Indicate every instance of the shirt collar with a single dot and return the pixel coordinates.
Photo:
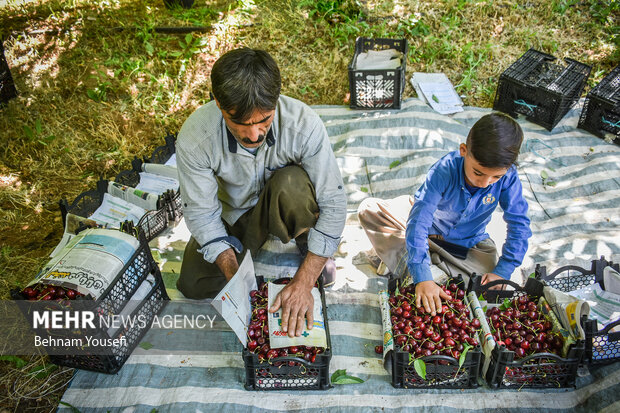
(232, 142)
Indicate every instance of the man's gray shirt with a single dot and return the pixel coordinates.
(221, 181)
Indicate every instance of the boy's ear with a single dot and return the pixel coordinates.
(463, 150)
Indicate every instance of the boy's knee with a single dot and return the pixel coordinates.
(367, 207)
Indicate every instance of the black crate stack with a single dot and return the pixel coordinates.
(601, 112)
(540, 90)
(7, 86)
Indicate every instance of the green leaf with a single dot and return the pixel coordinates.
(176, 54)
(464, 354)
(341, 377)
(338, 373)
(532, 275)
(435, 98)
(551, 183)
(72, 407)
(146, 345)
(37, 126)
(364, 189)
(43, 371)
(394, 164)
(506, 304)
(481, 297)
(346, 379)
(149, 48)
(93, 95)
(544, 174)
(19, 362)
(28, 132)
(420, 367)
(188, 38)
(484, 309)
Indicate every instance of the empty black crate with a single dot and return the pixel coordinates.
(85, 204)
(377, 89)
(160, 155)
(290, 373)
(7, 87)
(602, 346)
(539, 370)
(112, 301)
(442, 372)
(540, 90)
(601, 111)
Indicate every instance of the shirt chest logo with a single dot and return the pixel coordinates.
(488, 200)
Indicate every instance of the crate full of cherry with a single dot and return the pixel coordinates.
(75, 302)
(529, 345)
(274, 361)
(431, 351)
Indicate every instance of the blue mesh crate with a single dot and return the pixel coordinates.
(601, 111)
(539, 89)
(601, 346)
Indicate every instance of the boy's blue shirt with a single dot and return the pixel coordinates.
(444, 206)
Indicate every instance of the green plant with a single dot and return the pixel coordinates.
(36, 134)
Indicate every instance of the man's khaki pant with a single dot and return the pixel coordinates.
(286, 208)
(385, 223)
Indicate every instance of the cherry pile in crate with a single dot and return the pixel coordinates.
(258, 333)
(448, 333)
(520, 327)
(44, 292)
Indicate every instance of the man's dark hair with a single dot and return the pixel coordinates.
(494, 140)
(245, 80)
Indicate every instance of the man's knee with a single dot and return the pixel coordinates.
(292, 180)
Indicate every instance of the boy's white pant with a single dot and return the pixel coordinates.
(385, 223)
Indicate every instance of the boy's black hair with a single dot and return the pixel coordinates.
(494, 140)
(244, 80)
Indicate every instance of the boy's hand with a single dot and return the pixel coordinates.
(489, 277)
(429, 294)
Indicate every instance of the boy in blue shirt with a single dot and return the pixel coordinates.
(450, 211)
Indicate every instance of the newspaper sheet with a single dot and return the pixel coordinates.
(604, 306)
(315, 337)
(163, 170)
(233, 302)
(90, 262)
(141, 198)
(113, 211)
(156, 184)
(73, 223)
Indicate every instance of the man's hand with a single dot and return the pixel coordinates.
(429, 294)
(227, 263)
(489, 277)
(296, 299)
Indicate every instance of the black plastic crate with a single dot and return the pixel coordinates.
(540, 90)
(601, 346)
(85, 204)
(377, 89)
(601, 111)
(442, 372)
(172, 199)
(112, 301)
(161, 154)
(111, 363)
(540, 370)
(290, 373)
(7, 86)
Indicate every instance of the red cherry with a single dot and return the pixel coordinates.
(379, 349)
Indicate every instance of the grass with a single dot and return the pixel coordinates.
(100, 82)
